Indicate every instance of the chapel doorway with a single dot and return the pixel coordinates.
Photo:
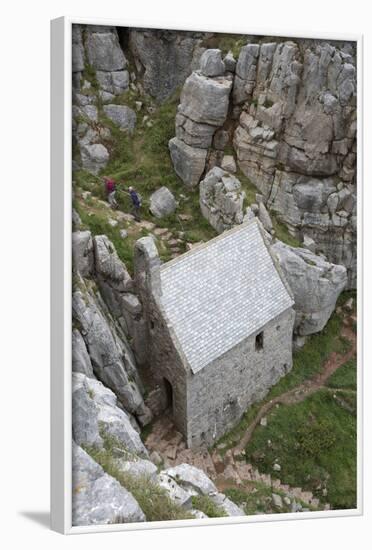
(168, 394)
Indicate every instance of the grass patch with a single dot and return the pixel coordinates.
(255, 500)
(248, 187)
(142, 160)
(206, 505)
(307, 362)
(282, 233)
(315, 443)
(226, 42)
(345, 377)
(152, 499)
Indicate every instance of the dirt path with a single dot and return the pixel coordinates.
(299, 393)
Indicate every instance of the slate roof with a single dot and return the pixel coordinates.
(220, 293)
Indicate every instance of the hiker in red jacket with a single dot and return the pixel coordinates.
(110, 187)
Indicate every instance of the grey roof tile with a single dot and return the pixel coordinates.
(217, 295)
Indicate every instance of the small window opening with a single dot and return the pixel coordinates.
(152, 325)
(259, 341)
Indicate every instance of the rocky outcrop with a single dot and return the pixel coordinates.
(315, 283)
(98, 498)
(164, 58)
(82, 252)
(80, 357)
(295, 138)
(96, 414)
(162, 202)
(122, 116)
(106, 57)
(202, 111)
(94, 157)
(221, 199)
(110, 354)
(116, 287)
(186, 480)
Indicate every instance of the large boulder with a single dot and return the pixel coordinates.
(205, 100)
(95, 412)
(94, 157)
(176, 493)
(104, 52)
(98, 498)
(192, 479)
(137, 467)
(112, 83)
(211, 63)
(108, 265)
(122, 116)
(162, 202)
(221, 199)
(82, 252)
(188, 162)
(315, 283)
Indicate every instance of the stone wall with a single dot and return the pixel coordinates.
(209, 403)
(219, 394)
(164, 355)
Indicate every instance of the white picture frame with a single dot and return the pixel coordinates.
(61, 281)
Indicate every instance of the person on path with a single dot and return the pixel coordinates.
(110, 187)
(136, 204)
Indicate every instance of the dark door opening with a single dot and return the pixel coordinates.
(259, 341)
(168, 394)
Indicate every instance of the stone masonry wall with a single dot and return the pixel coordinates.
(164, 358)
(219, 394)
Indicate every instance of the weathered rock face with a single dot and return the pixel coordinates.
(94, 157)
(188, 162)
(116, 287)
(98, 498)
(164, 58)
(105, 55)
(191, 478)
(82, 252)
(202, 111)
(296, 138)
(185, 481)
(109, 351)
(211, 63)
(221, 199)
(80, 358)
(122, 116)
(315, 283)
(162, 203)
(95, 412)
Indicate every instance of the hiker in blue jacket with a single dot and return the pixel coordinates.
(136, 204)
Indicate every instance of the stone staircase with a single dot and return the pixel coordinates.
(231, 468)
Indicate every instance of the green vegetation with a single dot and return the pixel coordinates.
(256, 498)
(143, 161)
(152, 499)
(206, 505)
(282, 233)
(345, 377)
(226, 42)
(315, 443)
(96, 222)
(248, 187)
